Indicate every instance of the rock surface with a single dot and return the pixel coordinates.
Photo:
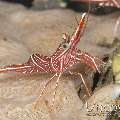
(100, 105)
(45, 4)
(17, 95)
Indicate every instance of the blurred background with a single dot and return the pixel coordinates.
(98, 6)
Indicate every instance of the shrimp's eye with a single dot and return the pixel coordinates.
(65, 45)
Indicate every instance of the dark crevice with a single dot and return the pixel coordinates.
(95, 8)
(27, 3)
(95, 80)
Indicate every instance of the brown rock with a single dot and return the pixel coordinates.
(17, 95)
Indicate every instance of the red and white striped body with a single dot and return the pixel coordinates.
(63, 58)
(112, 3)
(66, 56)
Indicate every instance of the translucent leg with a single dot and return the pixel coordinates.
(56, 86)
(84, 82)
(38, 99)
